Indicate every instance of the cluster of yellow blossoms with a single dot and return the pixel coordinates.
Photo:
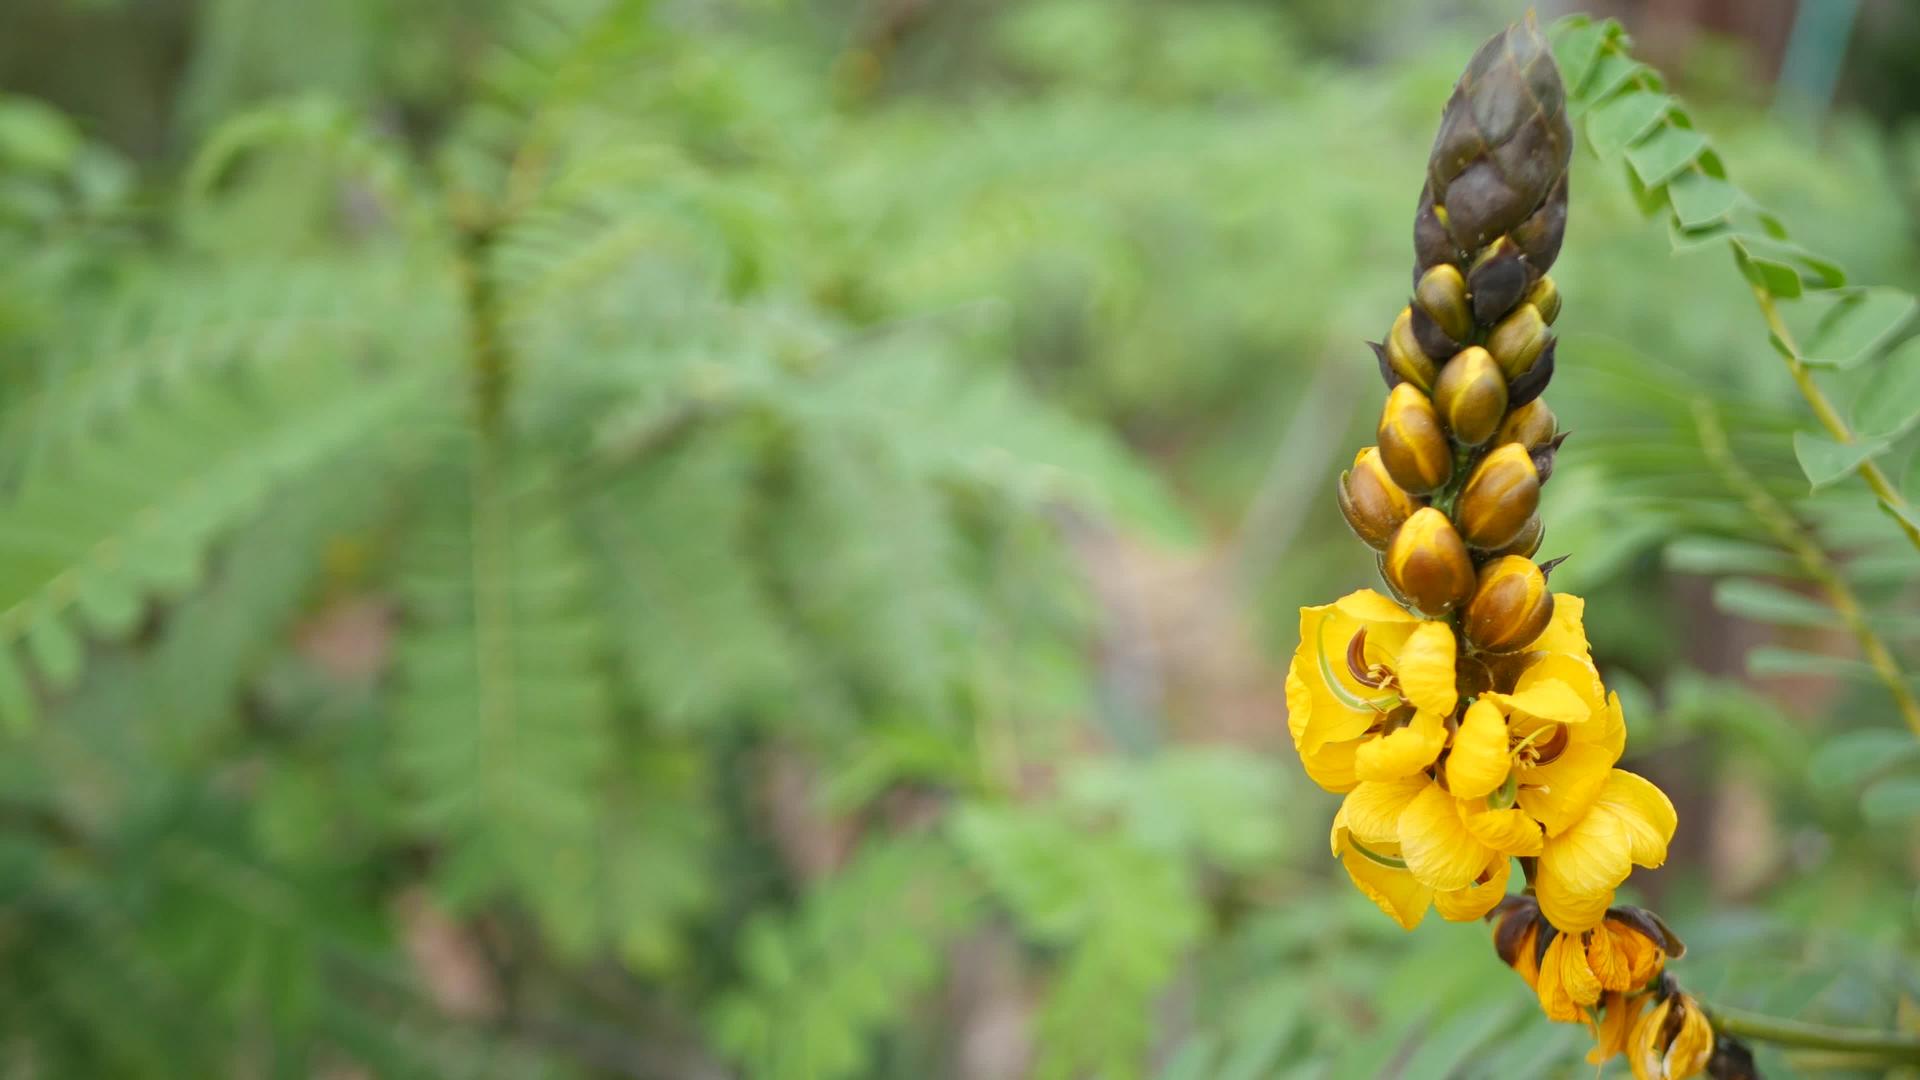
(1463, 717)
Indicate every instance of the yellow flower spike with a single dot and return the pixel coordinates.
(1426, 668)
(1403, 752)
(1611, 1035)
(1510, 831)
(1567, 987)
(1479, 762)
(1671, 1042)
(1435, 843)
(1474, 901)
(1630, 823)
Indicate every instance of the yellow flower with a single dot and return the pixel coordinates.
(1629, 824)
(1369, 691)
(1516, 937)
(1362, 840)
(1567, 986)
(1379, 835)
(1612, 1034)
(1671, 1042)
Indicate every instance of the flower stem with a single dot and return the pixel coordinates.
(1885, 1045)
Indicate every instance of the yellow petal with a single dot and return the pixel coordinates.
(1474, 901)
(1510, 831)
(1436, 844)
(1611, 965)
(1369, 606)
(1566, 985)
(1372, 809)
(1565, 632)
(1404, 752)
(1580, 868)
(1548, 699)
(1644, 811)
(1425, 667)
(1573, 672)
(1615, 1026)
(1325, 703)
(1338, 835)
(1644, 1049)
(1479, 762)
(1691, 1047)
(1392, 889)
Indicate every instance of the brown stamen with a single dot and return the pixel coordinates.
(1357, 661)
(1555, 745)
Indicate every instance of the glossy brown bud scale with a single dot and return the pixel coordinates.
(1471, 396)
(1511, 606)
(1413, 446)
(1498, 279)
(1372, 503)
(1427, 564)
(1499, 496)
(1531, 425)
(1527, 543)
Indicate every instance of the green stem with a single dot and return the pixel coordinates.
(1829, 418)
(1885, 1045)
(1790, 535)
(490, 369)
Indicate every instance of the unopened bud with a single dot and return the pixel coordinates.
(1531, 425)
(1412, 445)
(1442, 294)
(1545, 296)
(1517, 341)
(1404, 354)
(1527, 543)
(1428, 565)
(1432, 340)
(1471, 396)
(1373, 504)
(1500, 495)
(1511, 605)
(1431, 244)
(1498, 279)
(1533, 382)
(1540, 234)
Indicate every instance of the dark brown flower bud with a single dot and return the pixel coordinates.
(1412, 445)
(1517, 341)
(1545, 296)
(1527, 543)
(1531, 425)
(1442, 294)
(1539, 236)
(1498, 279)
(1432, 340)
(1431, 244)
(1428, 565)
(1500, 495)
(1528, 386)
(1471, 396)
(1543, 457)
(1504, 142)
(1404, 354)
(1511, 605)
(1373, 504)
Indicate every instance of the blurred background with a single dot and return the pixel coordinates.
(704, 539)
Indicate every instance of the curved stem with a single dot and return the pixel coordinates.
(1789, 533)
(1829, 418)
(1886, 1045)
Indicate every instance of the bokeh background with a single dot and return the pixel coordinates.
(704, 539)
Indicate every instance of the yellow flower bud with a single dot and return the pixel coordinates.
(1531, 425)
(1545, 296)
(1373, 504)
(1428, 565)
(1517, 341)
(1511, 605)
(1404, 354)
(1442, 294)
(1527, 543)
(1471, 395)
(1412, 445)
(1500, 495)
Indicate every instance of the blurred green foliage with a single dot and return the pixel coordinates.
(551, 539)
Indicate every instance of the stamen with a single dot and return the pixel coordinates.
(1357, 661)
(1555, 745)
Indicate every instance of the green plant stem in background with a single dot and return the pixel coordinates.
(1789, 533)
(1829, 418)
(487, 352)
(1884, 1046)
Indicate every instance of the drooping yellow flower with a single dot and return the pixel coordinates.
(1371, 835)
(1369, 691)
(1670, 1042)
(1567, 985)
(1612, 1034)
(1630, 823)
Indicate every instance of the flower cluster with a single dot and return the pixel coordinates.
(1462, 716)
